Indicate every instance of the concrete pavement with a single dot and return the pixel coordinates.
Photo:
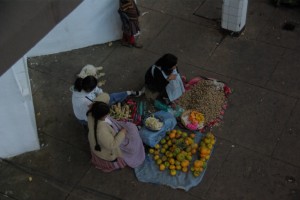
(257, 151)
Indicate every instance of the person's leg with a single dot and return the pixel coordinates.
(132, 39)
(117, 97)
(126, 40)
(121, 96)
(134, 43)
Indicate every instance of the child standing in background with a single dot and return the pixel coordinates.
(129, 14)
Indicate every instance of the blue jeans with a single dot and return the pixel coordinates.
(117, 97)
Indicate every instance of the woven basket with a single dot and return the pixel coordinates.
(184, 119)
(183, 115)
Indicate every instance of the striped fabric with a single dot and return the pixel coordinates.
(107, 166)
(130, 8)
(129, 14)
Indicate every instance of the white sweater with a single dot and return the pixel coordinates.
(82, 100)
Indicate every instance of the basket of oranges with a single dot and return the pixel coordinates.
(192, 120)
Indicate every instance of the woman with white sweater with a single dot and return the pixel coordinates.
(84, 92)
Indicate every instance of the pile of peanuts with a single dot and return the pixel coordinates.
(204, 97)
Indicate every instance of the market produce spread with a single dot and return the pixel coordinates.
(177, 157)
(126, 111)
(193, 120)
(178, 151)
(206, 97)
(120, 112)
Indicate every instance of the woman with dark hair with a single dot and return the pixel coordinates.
(86, 90)
(113, 144)
(164, 79)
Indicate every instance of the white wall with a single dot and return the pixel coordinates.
(18, 129)
(92, 22)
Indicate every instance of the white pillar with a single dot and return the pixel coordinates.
(18, 131)
(234, 14)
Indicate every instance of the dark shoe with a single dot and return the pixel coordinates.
(126, 44)
(137, 93)
(137, 45)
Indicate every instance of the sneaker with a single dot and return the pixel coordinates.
(137, 93)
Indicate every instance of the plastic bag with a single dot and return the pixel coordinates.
(151, 138)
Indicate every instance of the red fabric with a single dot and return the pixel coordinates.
(188, 85)
(135, 117)
(128, 38)
(107, 166)
(131, 40)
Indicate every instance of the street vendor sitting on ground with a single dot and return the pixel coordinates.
(114, 144)
(164, 79)
(84, 92)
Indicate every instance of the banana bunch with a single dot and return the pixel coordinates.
(119, 112)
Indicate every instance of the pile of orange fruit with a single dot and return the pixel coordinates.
(178, 151)
(196, 117)
(206, 145)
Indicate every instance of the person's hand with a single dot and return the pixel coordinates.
(172, 77)
(173, 105)
(123, 130)
(90, 105)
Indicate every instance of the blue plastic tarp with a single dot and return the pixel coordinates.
(149, 172)
(151, 138)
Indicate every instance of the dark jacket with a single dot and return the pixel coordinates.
(156, 83)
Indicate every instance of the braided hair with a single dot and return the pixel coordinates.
(98, 111)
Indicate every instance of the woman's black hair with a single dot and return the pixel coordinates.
(166, 62)
(87, 84)
(78, 84)
(98, 111)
